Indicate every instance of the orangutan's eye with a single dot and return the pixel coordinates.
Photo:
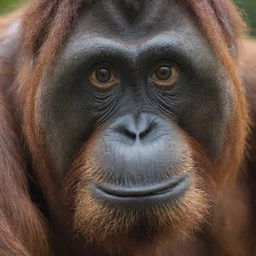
(165, 74)
(103, 77)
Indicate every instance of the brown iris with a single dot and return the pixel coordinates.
(103, 77)
(165, 74)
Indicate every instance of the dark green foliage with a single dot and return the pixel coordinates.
(249, 10)
(9, 5)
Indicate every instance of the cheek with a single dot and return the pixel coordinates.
(207, 114)
(65, 117)
(66, 113)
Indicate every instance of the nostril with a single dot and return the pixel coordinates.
(124, 130)
(136, 129)
(130, 134)
(140, 133)
(145, 132)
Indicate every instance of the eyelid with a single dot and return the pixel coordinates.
(105, 85)
(165, 84)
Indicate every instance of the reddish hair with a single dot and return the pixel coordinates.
(46, 26)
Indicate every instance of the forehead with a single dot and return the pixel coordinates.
(136, 28)
(134, 20)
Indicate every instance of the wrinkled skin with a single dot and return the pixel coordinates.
(139, 183)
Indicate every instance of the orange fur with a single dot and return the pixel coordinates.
(23, 230)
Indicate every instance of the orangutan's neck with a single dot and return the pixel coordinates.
(234, 218)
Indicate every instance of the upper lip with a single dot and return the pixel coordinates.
(174, 185)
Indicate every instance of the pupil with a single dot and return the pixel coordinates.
(163, 73)
(103, 75)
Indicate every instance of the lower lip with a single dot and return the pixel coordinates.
(149, 196)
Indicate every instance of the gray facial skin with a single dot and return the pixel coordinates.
(68, 109)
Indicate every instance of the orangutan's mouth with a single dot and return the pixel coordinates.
(158, 193)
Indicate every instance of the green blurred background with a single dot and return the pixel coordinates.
(248, 7)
